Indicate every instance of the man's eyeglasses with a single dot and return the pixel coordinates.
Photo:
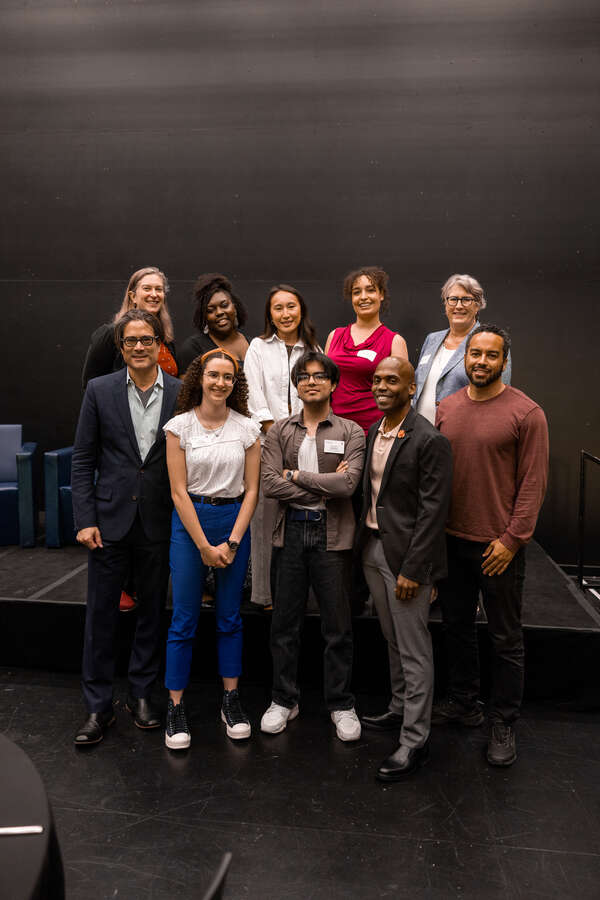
(145, 340)
(318, 377)
(466, 301)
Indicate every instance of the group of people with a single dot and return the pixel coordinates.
(307, 460)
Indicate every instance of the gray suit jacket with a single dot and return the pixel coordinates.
(453, 376)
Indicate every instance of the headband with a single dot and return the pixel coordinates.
(225, 353)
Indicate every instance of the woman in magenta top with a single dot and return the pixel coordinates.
(358, 349)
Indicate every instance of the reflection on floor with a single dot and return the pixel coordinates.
(301, 811)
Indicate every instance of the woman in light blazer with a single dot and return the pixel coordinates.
(441, 367)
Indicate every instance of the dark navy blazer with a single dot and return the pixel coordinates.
(105, 441)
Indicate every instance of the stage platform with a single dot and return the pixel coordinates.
(42, 610)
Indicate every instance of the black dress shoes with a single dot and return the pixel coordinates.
(387, 721)
(92, 730)
(403, 762)
(144, 714)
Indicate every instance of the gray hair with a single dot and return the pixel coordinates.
(468, 283)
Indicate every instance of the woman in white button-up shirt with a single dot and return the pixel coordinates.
(272, 396)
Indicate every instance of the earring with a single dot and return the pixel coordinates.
(205, 329)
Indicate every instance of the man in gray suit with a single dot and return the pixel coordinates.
(123, 516)
(406, 492)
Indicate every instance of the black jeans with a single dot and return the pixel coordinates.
(107, 570)
(303, 562)
(502, 598)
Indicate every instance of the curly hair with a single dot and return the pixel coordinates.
(376, 275)
(191, 392)
(207, 285)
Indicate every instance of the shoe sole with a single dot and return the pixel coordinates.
(236, 735)
(401, 775)
(294, 712)
(172, 745)
(138, 725)
(347, 740)
(97, 741)
(503, 764)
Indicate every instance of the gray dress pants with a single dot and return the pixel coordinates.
(404, 626)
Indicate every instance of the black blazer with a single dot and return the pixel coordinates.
(412, 506)
(105, 441)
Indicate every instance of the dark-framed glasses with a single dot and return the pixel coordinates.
(318, 377)
(466, 301)
(145, 340)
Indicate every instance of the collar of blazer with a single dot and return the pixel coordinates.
(403, 436)
(171, 388)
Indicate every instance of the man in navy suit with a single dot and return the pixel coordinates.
(124, 516)
(401, 538)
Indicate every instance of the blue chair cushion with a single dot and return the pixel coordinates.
(11, 440)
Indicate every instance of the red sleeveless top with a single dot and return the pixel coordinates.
(352, 398)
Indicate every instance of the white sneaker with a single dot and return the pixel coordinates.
(276, 718)
(347, 726)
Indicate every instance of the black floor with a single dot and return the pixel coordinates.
(301, 812)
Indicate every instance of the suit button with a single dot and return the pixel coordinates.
(134, 497)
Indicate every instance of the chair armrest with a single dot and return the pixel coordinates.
(57, 474)
(27, 511)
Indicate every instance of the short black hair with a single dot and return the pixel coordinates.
(491, 329)
(329, 367)
(138, 315)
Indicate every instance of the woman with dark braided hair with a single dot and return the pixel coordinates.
(213, 457)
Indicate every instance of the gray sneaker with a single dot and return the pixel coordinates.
(502, 747)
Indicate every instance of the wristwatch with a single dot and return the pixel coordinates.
(289, 475)
(233, 545)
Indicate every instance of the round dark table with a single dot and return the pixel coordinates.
(30, 864)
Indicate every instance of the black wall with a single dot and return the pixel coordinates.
(293, 141)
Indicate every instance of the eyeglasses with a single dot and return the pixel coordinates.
(214, 376)
(466, 301)
(318, 377)
(145, 340)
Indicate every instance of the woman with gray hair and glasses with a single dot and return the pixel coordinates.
(441, 367)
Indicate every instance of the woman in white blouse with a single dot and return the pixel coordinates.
(213, 457)
(272, 396)
(441, 367)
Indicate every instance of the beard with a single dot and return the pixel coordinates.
(483, 379)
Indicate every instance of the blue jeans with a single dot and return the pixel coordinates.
(188, 574)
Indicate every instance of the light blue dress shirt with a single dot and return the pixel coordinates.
(145, 419)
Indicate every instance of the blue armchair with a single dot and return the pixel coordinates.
(60, 528)
(17, 496)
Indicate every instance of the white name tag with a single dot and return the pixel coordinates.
(334, 446)
(367, 354)
(424, 359)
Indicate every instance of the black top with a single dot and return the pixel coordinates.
(197, 344)
(104, 357)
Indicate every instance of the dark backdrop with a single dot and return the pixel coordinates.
(293, 141)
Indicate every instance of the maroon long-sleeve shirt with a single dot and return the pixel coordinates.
(500, 469)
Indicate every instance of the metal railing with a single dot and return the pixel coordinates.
(584, 457)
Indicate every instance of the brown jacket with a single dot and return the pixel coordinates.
(280, 452)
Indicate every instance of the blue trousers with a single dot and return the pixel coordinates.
(188, 574)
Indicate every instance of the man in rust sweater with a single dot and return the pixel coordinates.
(499, 440)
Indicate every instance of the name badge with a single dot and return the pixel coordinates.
(424, 359)
(367, 354)
(334, 446)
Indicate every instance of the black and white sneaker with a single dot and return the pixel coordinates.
(177, 733)
(236, 720)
